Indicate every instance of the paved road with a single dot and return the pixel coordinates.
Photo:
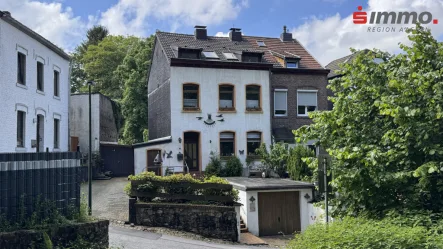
(133, 239)
(108, 198)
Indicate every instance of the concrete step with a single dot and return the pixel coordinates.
(244, 230)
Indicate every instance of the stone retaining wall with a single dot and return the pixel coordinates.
(211, 221)
(95, 233)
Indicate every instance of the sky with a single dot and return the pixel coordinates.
(324, 27)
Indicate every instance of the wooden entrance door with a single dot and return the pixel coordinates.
(278, 212)
(191, 150)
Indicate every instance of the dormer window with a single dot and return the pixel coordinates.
(261, 44)
(210, 55)
(251, 57)
(187, 53)
(291, 64)
(230, 56)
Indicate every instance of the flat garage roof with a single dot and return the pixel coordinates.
(249, 184)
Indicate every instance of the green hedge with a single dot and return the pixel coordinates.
(358, 233)
(151, 179)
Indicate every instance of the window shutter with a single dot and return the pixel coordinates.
(280, 100)
(307, 98)
(227, 135)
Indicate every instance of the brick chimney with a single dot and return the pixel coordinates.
(285, 36)
(200, 32)
(235, 34)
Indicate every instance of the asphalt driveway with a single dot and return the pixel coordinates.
(108, 199)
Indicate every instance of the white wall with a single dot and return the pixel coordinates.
(251, 219)
(140, 157)
(15, 97)
(240, 121)
(79, 119)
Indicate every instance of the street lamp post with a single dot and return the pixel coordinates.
(90, 83)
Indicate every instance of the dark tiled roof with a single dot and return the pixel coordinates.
(288, 49)
(5, 16)
(170, 42)
(335, 65)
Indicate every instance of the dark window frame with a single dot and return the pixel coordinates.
(56, 133)
(249, 93)
(185, 53)
(21, 68)
(21, 128)
(251, 143)
(252, 57)
(40, 76)
(226, 92)
(56, 83)
(227, 140)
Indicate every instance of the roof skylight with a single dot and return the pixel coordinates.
(261, 44)
(210, 54)
(230, 56)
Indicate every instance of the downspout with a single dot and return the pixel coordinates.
(69, 105)
(270, 111)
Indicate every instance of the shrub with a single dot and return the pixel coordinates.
(352, 233)
(168, 186)
(214, 167)
(233, 167)
(275, 159)
(298, 168)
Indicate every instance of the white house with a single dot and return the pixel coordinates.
(34, 90)
(206, 94)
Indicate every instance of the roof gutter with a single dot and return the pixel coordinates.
(179, 62)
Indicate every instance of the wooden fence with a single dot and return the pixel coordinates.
(191, 191)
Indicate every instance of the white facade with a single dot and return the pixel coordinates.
(17, 97)
(239, 121)
(250, 214)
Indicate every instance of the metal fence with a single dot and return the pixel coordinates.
(28, 177)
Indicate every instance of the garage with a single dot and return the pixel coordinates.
(274, 206)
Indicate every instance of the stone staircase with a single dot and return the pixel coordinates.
(243, 228)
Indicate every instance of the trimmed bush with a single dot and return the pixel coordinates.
(151, 187)
(359, 233)
(233, 167)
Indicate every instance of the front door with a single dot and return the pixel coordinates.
(191, 150)
(40, 133)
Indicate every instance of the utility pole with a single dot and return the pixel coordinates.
(90, 83)
(325, 176)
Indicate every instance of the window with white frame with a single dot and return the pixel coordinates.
(306, 102)
(280, 102)
(227, 144)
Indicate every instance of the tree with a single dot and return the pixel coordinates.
(78, 75)
(275, 160)
(101, 60)
(385, 131)
(297, 165)
(132, 73)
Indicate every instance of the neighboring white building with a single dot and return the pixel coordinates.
(103, 124)
(34, 90)
(201, 101)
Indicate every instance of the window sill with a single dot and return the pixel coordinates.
(225, 158)
(21, 85)
(260, 111)
(56, 97)
(303, 116)
(192, 110)
(280, 117)
(227, 110)
(20, 149)
(40, 92)
(254, 157)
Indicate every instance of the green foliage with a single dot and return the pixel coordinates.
(145, 135)
(214, 167)
(298, 166)
(152, 186)
(275, 160)
(44, 214)
(385, 130)
(47, 241)
(133, 73)
(233, 167)
(353, 233)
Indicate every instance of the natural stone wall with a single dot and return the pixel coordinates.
(210, 221)
(95, 233)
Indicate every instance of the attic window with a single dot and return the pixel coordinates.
(251, 57)
(210, 55)
(291, 64)
(261, 44)
(230, 56)
(186, 53)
